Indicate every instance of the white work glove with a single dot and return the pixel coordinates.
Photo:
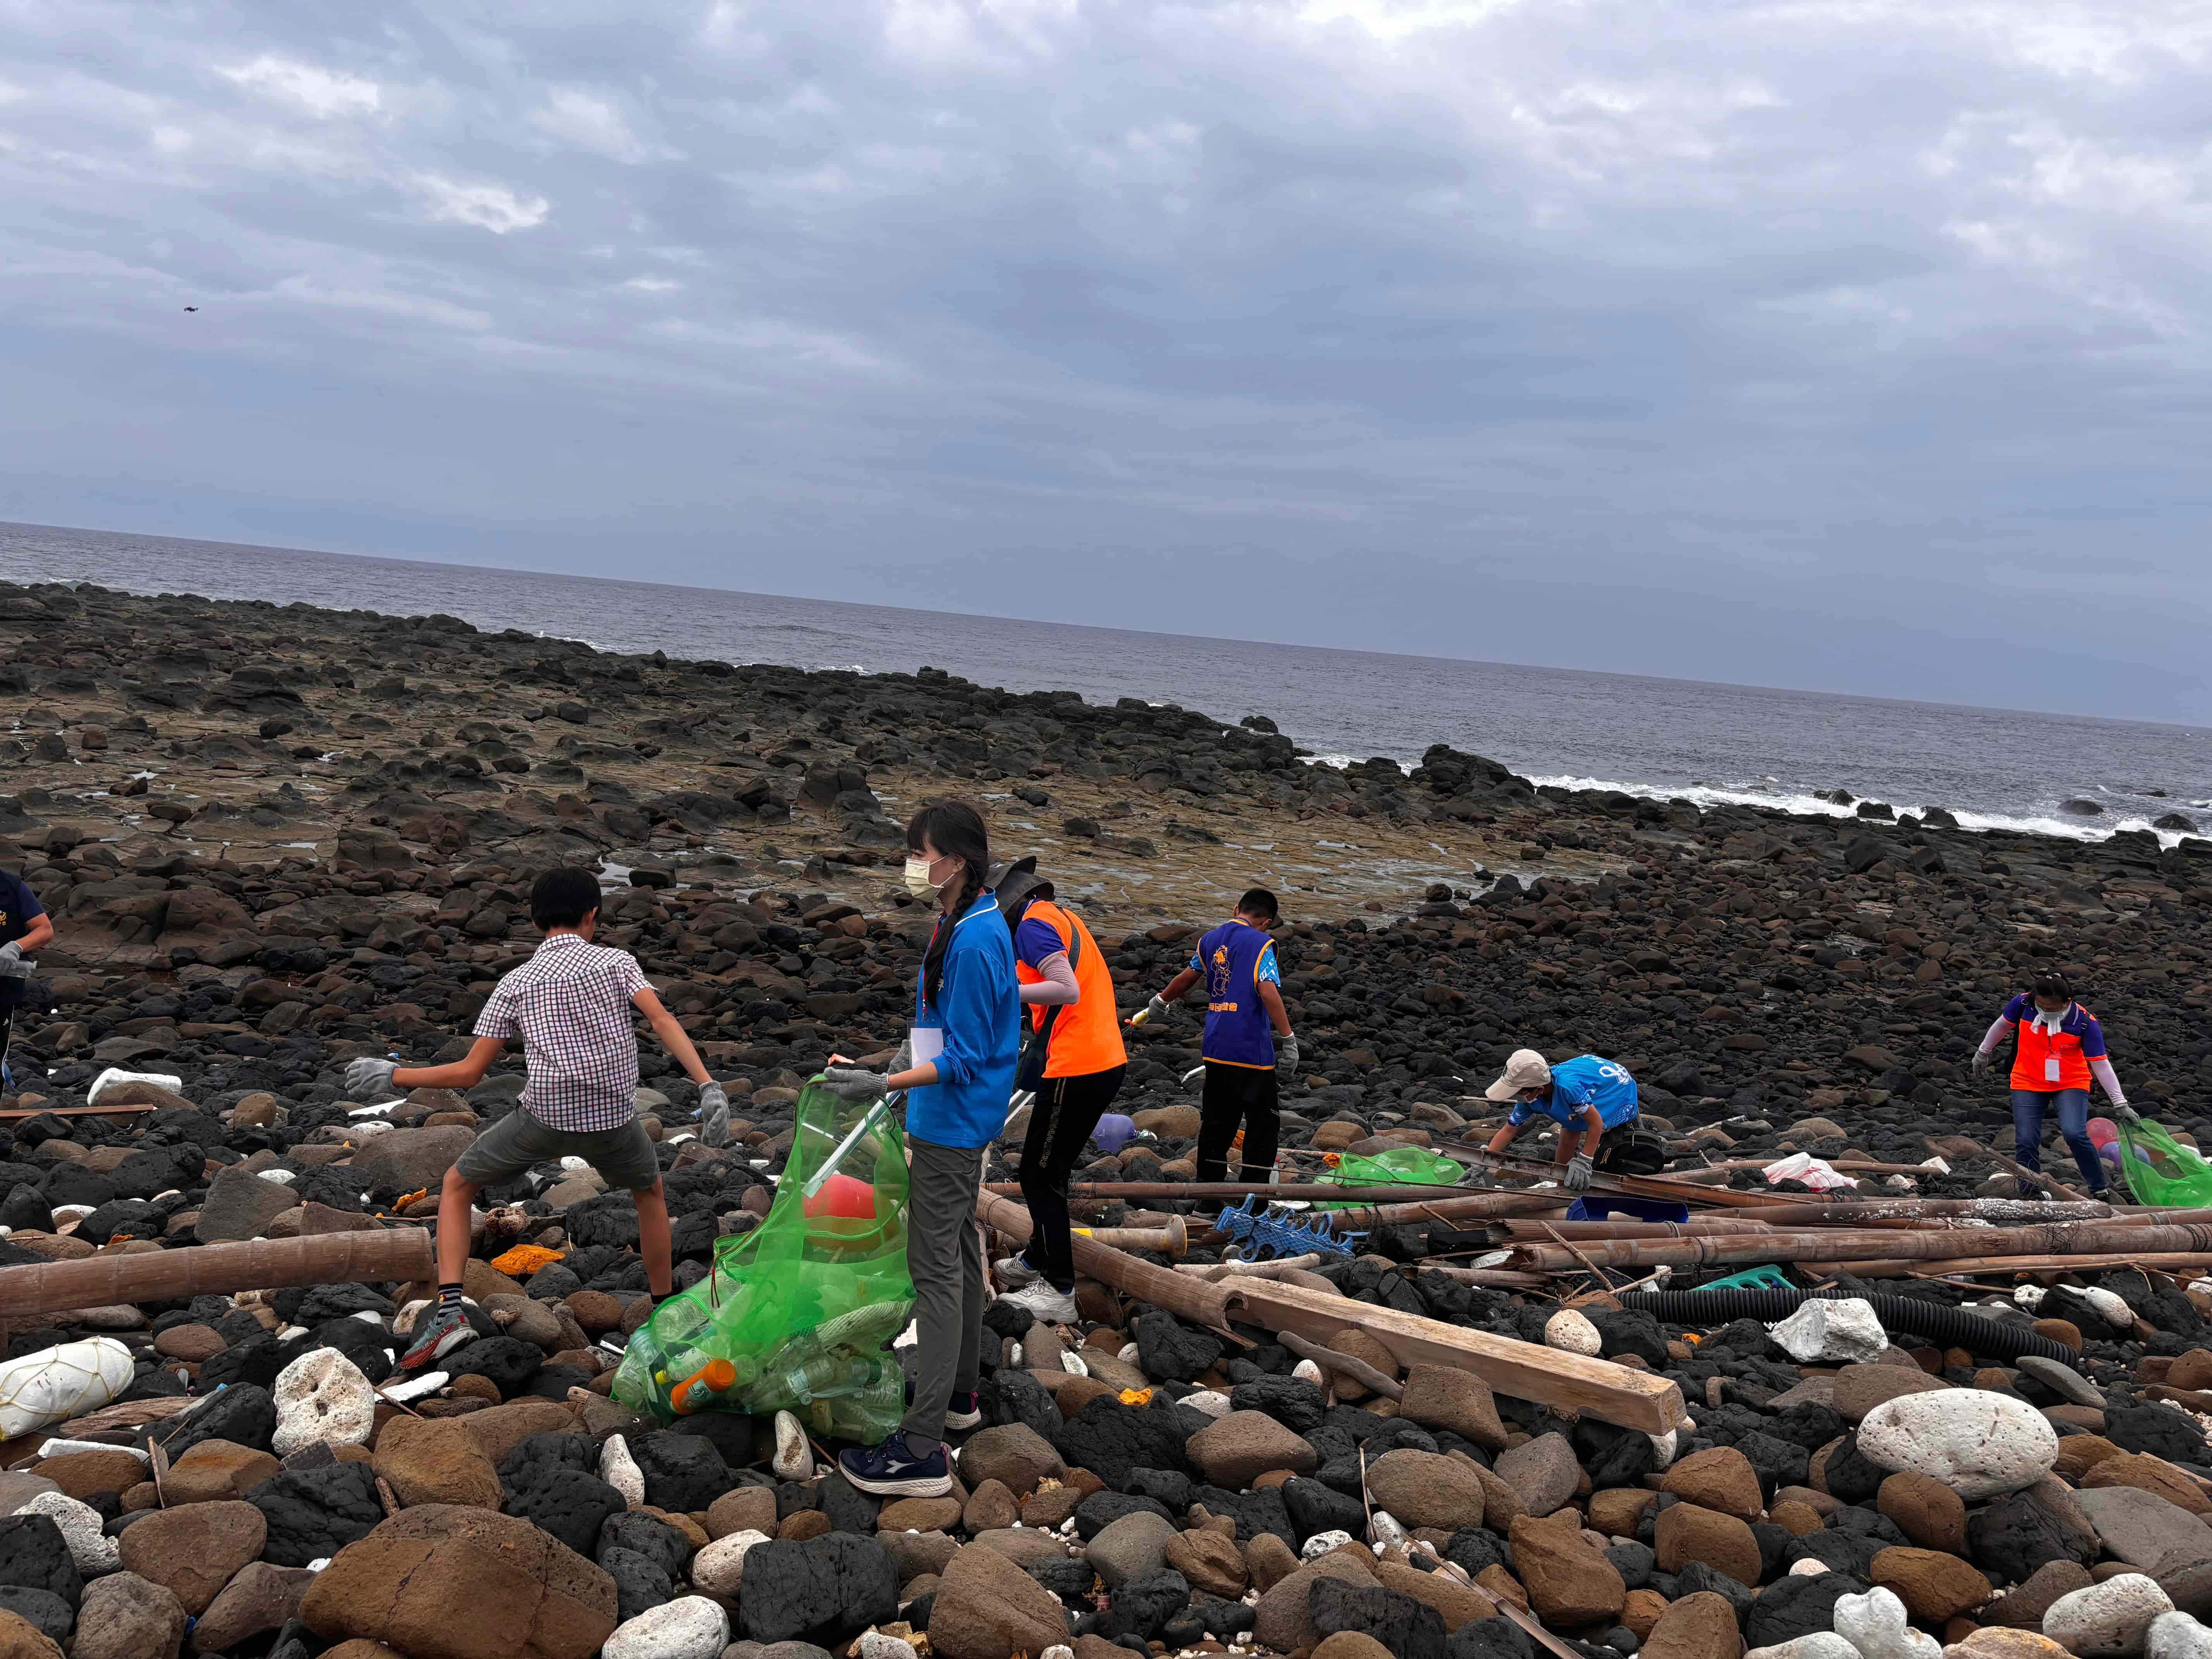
(366, 1078)
(1286, 1054)
(1981, 1062)
(1155, 1009)
(903, 1059)
(714, 1115)
(854, 1082)
(2125, 1113)
(1578, 1177)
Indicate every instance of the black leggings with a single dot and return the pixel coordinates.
(1234, 1095)
(1066, 1111)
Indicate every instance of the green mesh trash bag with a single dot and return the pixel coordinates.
(794, 1315)
(1399, 1166)
(2160, 1171)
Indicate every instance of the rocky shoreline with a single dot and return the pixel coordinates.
(275, 838)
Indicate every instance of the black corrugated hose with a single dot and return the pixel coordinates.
(1899, 1315)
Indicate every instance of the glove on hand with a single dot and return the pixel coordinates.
(1981, 1062)
(1578, 1178)
(11, 951)
(2125, 1113)
(1155, 1009)
(1286, 1054)
(714, 1115)
(903, 1059)
(366, 1078)
(854, 1082)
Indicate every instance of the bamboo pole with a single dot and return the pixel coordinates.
(1854, 1244)
(1516, 1227)
(393, 1255)
(2164, 1260)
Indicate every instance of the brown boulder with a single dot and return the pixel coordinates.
(1423, 1489)
(987, 1607)
(1932, 1585)
(498, 1430)
(1446, 1397)
(21, 1640)
(742, 1509)
(125, 1617)
(1860, 1388)
(214, 1470)
(1235, 1450)
(1700, 1626)
(2148, 1474)
(1720, 1479)
(1926, 1510)
(427, 1461)
(1348, 1644)
(258, 1598)
(81, 1475)
(1454, 1601)
(1014, 1455)
(1210, 1561)
(1685, 1533)
(1569, 1583)
(193, 1551)
(1281, 1619)
(458, 1582)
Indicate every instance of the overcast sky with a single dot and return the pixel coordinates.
(1854, 345)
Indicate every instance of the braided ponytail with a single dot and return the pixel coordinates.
(955, 830)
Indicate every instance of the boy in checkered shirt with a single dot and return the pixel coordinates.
(570, 1003)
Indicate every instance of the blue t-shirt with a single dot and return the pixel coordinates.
(978, 1016)
(1036, 940)
(1576, 1085)
(1268, 973)
(19, 908)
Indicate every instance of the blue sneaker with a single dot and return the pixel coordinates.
(891, 1471)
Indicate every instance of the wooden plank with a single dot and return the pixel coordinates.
(1597, 1388)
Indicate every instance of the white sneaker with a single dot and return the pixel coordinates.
(1014, 1273)
(1054, 1307)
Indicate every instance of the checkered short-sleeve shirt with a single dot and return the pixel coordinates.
(570, 1005)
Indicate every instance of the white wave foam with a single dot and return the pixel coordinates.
(1782, 801)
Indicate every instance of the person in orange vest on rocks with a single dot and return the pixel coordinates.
(2059, 1047)
(1249, 1039)
(1074, 1063)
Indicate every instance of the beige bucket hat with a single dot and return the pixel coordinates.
(1525, 1069)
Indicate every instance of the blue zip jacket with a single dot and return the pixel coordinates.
(979, 1012)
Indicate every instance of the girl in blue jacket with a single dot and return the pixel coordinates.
(958, 1076)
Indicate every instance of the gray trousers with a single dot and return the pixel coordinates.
(944, 1254)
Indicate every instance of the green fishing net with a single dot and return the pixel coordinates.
(794, 1315)
(2160, 1170)
(1399, 1166)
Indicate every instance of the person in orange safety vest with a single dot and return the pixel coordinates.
(2059, 1047)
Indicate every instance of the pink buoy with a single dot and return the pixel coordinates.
(2103, 1131)
(843, 1199)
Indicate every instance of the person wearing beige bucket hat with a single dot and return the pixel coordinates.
(1592, 1100)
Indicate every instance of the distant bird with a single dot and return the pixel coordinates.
(192, 308)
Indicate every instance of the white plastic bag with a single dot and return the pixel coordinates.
(1804, 1167)
(57, 1383)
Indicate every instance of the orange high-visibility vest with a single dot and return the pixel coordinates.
(1087, 1035)
(2031, 1067)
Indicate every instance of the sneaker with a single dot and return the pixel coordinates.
(1014, 1273)
(1054, 1307)
(438, 1332)
(891, 1471)
(961, 1410)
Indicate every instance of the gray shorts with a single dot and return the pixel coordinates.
(623, 1156)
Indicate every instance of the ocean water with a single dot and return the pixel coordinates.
(1709, 743)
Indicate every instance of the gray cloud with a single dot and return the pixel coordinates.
(1845, 343)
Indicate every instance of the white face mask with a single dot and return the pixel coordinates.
(917, 879)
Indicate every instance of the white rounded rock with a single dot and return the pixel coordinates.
(1322, 1543)
(620, 1470)
(1207, 1402)
(322, 1395)
(1808, 1568)
(690, 1627)
(1306, 1371)
(720, 1567)
(2108, 1620)
(1979, 1443)
(82, 1530)
(2117, 1313)
(1663, 1448)
(1820, 1644)
(1832, 1332)
(874, 1645)
(2177, 1635)
(1875, 1624)
(1569, 1332)
(794, 1458)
